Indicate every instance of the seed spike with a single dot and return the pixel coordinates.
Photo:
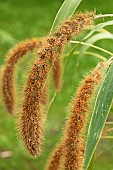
(8, 85)
(47, 55)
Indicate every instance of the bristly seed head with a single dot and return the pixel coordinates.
(72, 145)
(48, 55)
(74, 138)
(8, 86)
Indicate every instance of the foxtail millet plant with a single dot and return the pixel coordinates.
(75, 140)
(31, 123)
(70, 153)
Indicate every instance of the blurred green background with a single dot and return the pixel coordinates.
(33, 18)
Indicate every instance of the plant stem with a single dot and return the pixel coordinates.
(88, 53)
(109, 123)
(96, 47)
(107, 137)
(103, 16)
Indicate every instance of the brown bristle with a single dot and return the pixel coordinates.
(31, 129)
(67, 30)
(54, 162)
(31, 123)
(69, 154)
(57, 71)
(44, 95)
(8, 74)
(74, 141)
(47, 56)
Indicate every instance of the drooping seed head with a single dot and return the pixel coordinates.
(47, 56)
(8, 85)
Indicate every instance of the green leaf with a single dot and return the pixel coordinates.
(91, 163)
(65, 12)
(100, 112)
(95, 38)
(98, 27)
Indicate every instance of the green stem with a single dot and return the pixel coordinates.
(103, 16)
(96, 47)
(107, 137)
(88, 53)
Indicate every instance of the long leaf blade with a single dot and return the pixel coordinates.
(100, 112)
(95, 38)
(98, 27)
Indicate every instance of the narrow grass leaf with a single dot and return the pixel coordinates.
(98, 27)
(65, 12)
(99, 114)
(95, 38)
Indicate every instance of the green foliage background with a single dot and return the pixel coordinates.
(26, 19)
